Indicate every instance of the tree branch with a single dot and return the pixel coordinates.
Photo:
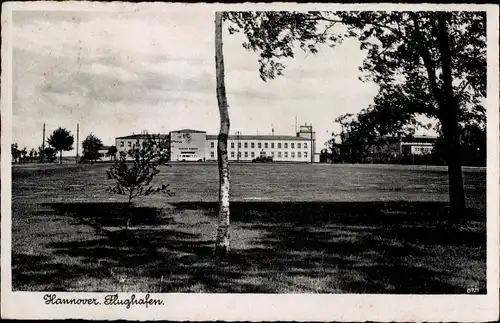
(426, 57)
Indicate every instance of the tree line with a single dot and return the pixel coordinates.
(60, 140)
(371, 136)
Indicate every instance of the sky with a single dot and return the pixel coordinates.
(118, 73)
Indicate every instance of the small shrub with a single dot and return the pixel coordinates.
(133, 175)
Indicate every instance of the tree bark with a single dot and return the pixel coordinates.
(60, 157)
(449, 121)
(222, 237)
(447, 111)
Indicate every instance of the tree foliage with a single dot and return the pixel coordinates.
(46, 155)
(134, 178)
(112, 151)
(91, 146)
(61, 139)
(15, 152)
(431, 63)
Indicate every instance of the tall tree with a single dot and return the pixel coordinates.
(222, 237)
(91, 146)
(432, 63)
(61, 139)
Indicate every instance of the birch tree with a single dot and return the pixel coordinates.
(222, 236)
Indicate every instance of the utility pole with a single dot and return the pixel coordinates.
(77, 139)
(238, 133)
(43, 138)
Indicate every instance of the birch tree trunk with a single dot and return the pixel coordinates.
(222, 238)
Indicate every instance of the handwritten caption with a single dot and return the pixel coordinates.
(108, 300)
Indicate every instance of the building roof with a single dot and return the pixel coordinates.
(143, 136)
(260, 137)
(188, 131)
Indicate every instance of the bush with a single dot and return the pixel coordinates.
(133, 178)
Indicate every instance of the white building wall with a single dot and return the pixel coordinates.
(124, 145)
(187, 146)
(250, 149)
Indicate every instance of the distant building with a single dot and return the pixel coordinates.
(103, 153)
(299, 148)
(418, 145)
(196, 145)
(188, 145)
(126, 143)
(385, 150)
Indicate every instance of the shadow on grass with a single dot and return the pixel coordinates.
(338, 247)
(101, 215)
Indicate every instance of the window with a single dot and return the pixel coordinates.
(246, 144)
(232, 154)
(272, 145)
(286, 154)
(279, 144)
(122, 144)
(130, 144)
(212, 154)
(279, 154)
(252, 145)
(253, 154)
(299, 154)
(265, 145)
(259, 145)
(272, 153)
(232, 145)
(212, 145)
(246, 154)
(298, 145)
(305, 154)
(239, 145)
(285, 145)
(292, 154)
(239, 153)
(305, 145)
(292, 145)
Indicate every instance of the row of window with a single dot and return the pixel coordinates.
(279, 154)
(426, 149)
(266, 145)
(122, 144)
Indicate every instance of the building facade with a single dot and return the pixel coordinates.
(188, 145)
(299, 148)
(126, 143)
(195, 145)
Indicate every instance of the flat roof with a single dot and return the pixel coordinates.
(188, 131)
(143, 136)
(259, 137)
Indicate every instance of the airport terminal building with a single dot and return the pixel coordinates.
(196, 145)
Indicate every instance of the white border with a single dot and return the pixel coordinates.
(257, 307)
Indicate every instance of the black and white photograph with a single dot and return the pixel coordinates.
(177, 161)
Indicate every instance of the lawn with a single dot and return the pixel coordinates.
(296, 228)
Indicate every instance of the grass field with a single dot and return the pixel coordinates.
(295, 228)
